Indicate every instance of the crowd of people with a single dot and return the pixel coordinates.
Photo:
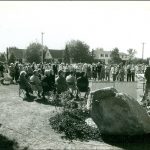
(59, 76)
(96, 71)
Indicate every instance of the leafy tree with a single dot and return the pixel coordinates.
(79, 51)
(12, 48)
(131, 54)
(2, 58)
(34, 53)
(115, 58)
(12, 58)
(66, 55)
(140, 61)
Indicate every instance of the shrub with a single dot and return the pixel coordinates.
(7, 144)
(72, 123)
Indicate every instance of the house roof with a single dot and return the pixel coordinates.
(17, 52)
(56, 53)
(122, 53)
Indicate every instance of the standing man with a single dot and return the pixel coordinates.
(12, 72)
(2, 70)
(55, 69)
(129, 72)
(107, 71)
(114, 72)
(133, 73)
(147, 86)
(99, 67)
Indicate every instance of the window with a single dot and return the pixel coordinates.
(102, 55)
(122, 56)
(106, 55)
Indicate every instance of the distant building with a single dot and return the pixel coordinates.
(50, 56)
(54, 55)
(104, 56)
(18, 53)
(3, 57)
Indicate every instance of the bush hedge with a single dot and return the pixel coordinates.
(7, 144)
(72, 123)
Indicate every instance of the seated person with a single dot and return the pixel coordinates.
(83, 84)
(48, 82)
(71, 81)
(6, 80)
(36, 82)
(61, 84)
(24, 83)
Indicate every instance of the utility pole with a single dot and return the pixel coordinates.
(143, 50)
(42, 33)
(7, 54)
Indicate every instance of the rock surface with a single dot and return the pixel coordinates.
(117, 113)
(90, 122)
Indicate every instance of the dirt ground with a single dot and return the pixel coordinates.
(28, 124)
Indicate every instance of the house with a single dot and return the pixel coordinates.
(54, 55)
(123, 56)
(18, 53)
(50, 55)
(3, 57)
(104, 56)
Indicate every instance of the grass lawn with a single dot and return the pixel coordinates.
(28, 122)
(125, 87)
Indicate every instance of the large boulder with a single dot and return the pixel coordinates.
(117, 113)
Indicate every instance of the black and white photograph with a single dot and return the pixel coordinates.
(74, 75)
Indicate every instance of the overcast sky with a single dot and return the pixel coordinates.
(105, 24)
